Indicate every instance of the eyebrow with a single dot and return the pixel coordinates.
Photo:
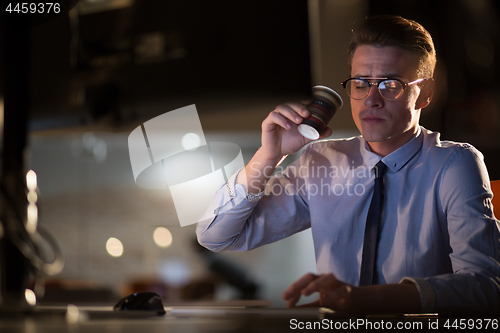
(381, 76)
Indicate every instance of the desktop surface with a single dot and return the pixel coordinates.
(200, 317)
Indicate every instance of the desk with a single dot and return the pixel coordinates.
(180, 319)
(192, 319)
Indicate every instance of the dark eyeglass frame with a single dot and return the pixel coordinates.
(377, 84)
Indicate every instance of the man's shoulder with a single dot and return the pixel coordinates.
(435, 146)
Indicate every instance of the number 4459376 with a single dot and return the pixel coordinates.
(477, 324)
(33, 7)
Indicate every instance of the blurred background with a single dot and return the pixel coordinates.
(84, 79)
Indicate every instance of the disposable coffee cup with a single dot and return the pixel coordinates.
(325, 104)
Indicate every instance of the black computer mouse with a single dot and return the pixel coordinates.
(141, 301)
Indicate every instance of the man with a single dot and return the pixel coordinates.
(437, 242)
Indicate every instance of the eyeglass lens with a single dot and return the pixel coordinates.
(359, 89)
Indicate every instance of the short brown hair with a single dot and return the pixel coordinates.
(389, 30)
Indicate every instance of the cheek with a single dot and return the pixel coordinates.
(356, 108)
(355, 115)
(404, 115)
(412, 99)
(408, 112)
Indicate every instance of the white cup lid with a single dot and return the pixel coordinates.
(308, 132)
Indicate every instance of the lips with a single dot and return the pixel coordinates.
(372, 119)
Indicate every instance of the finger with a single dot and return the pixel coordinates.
(297, 287)
(275, 118)
(324, 283)
(301, 109)
(294, 292)
(290, 303)
(291, 111)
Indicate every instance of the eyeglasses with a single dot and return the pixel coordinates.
(390, 89)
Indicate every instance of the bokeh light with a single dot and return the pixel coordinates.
(30, 297)
(162, 237)
(114, 247)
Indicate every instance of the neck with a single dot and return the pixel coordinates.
(386, 147)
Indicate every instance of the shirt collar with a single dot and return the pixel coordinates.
(398, 158)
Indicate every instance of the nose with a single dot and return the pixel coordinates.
(374, 99)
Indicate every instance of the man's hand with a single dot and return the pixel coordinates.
(333, 293)
(342, 297)
(280, 135)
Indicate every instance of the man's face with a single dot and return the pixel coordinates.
(386, 125)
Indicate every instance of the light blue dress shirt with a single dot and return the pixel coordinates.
(437, 229)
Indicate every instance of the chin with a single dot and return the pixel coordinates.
(374, 137)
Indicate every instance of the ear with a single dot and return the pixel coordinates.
(425, 96)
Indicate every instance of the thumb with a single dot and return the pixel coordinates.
(326, 133)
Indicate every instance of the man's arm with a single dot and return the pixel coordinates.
(342, 297)
(280, 137)
(228, 222)
(474, 237)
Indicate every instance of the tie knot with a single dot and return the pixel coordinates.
(380, 169)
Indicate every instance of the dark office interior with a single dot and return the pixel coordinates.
(74, 84)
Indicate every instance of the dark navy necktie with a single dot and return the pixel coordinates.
(372, 228)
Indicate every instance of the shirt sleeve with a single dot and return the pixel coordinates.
(240, 221)
(465, 198)
(425, 292)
